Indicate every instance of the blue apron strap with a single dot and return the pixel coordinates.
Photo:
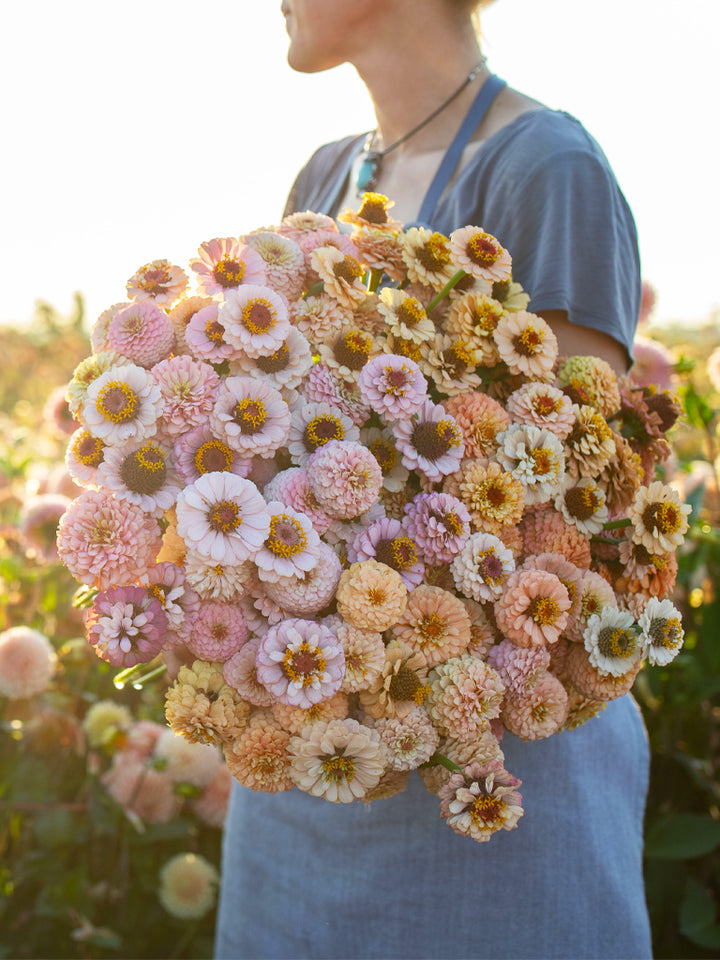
(492, 86)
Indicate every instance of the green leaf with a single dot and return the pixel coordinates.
(698, 412)
(681, 837)
(697, 916)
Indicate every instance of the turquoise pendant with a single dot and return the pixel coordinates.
(367, 171)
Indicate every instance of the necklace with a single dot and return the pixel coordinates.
(370, 161)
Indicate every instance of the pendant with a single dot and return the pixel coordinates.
(368, 171)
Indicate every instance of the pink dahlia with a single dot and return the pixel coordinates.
(106, 542)
(289, 548)
(217, 631)
(250, 416)
(430, 442)
(386, 541)
(159, 281)
(222, 265)
(188, 388)
(439, 524)
(393, 386)
(142, 332)
(255, 319)
(27, 662)
(123, 404)
(199, 451)
(222, 518)
(345, 478)
(533, 608)
(126, 625)
(300, 662)
(481, 800)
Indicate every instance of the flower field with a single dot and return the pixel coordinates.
(110, 826)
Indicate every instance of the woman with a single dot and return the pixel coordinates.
(304, 878)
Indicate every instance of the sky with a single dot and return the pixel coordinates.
(138, 130)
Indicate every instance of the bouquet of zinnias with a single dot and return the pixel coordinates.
(352, 492)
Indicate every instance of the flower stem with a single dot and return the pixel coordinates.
(439, 760)
(617, 524)
(445, 290)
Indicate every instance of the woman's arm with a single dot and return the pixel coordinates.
(574, 339)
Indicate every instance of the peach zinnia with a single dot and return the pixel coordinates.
(480, 254)
(533, 608)
(526, 344)
(435, 622)
(371, 596)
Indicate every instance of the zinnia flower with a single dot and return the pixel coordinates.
(659, 519)
(386, 541)
(200, 451)
(407, 741)
(428, 257)
(147, 793)
(435, 622)
(590, 381)
(255, 320)
(187, 762)
(493, 497)
(222, 265)
(288, 550)
(345, 478)
(339, 760)
(159, 281)
(526, 344)
(613, 645)
(27, 662)
(342, 275)
(222, 518)
(285, 369)
(106, 542)
(582, 502)
(405, 316)
(205, 335)
(202, 707)
(188, 886)
(533, 608)
(188, 388)
(480, 419)
(465, 695)
(662, 631)
(104, 722)
(123, 405)
(537, 712)
(283, 259)
(542, 405)
(315, 424)
(482, 567)
(371, 596)
(217, 631)
(393, 386)
(142, 332)
(126, 625)
(480, 254)
(481, 800)
(430, 441)
(250, 416)
(140, 473)
(259, 757)
(535, 457)
(439, 524)
(400, 685)
(300, 662)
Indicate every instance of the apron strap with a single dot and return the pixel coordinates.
(485, 96)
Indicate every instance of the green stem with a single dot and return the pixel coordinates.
(617, 524)
(373, 280)
(141, 681)
(315, 288)
(609, 540)
(439, 760)
(445, 290)
(126, 676)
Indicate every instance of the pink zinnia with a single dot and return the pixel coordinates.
(123, 404)
(325, 238)
(256, 320)
(307, 594)
(159, 281)
(481, 800)
(298, 225)
(205, 336)
(542, 405)
(480, 254)
(300, 662)
(322, 385)
(141, 332)
(199, 451)
(27, 662)
(224, 264)
(526, 344)
(166, 581)
(533, 608)
(519, 668)
(240, 672)
(430, 442)
(106, 542)
(83, 456)
(126, 625)
(537, 712)
(292, 487)
(217, 631)
(345, 478)
(440, 525)
(188, 388)
(313, 425)
(285, 369)
(386, 541)
(141, 473)
(250, 416)
(223, 518)
(283, 259)
(653, 364)
(392, 385)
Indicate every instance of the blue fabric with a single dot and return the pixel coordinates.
(303, 878)
(545, 189)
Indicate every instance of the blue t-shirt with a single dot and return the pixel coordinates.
(545, 189)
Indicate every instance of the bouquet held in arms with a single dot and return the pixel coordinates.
(351, 494)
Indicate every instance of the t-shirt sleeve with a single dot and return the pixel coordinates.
(573, 241)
